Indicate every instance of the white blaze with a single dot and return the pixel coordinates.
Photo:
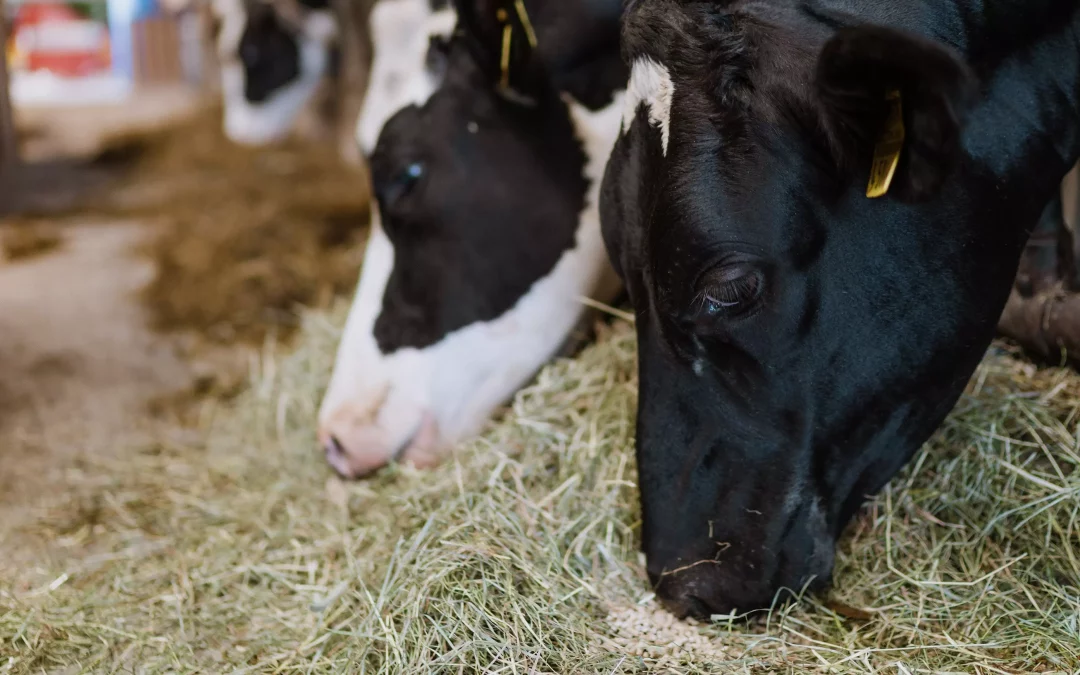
(462, 379)
(651, 85)
(401, 31)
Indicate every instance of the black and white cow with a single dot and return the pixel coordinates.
(487, 234)
(319, 65)
(277, 59)
(798, 341)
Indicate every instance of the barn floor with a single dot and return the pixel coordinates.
(236, 550)
(88, 277)
(77, 359)
(132, 544)
(78, 362)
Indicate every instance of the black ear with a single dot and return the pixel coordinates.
(478, 18)
(857, 69)
(501, 36)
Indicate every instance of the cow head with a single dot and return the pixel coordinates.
(274, 55)
(410, 38)
(485, 239)
(798, 341)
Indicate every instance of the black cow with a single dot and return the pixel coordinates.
(487, 233)
(799, 340)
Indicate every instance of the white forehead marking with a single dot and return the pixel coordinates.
(650, 84)
(401, 30)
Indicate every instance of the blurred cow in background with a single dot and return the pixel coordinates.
(292, 65)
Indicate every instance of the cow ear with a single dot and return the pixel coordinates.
(860, 69)
(478, 19)
(503, 38)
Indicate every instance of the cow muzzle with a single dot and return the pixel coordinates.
(357, 444)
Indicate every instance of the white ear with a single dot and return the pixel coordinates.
(651, 85)
(322, 27)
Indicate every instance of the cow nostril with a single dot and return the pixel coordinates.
(335, 457)
(333, 446)
(687, 605)
(697, 608)
(699, 592)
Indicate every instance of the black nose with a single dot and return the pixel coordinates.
(702, 590)
(710, 588)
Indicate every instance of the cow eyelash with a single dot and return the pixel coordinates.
(730, 295)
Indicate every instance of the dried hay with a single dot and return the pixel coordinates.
(242, 554)
(30, 240)
(246, 235)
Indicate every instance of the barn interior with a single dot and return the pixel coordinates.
(170, 304)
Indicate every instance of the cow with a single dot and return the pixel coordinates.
(486, 235)
(818, 208)
(291, 63)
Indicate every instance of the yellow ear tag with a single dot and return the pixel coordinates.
(888, 148)
(504, 61)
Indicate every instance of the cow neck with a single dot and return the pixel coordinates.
(995, 26)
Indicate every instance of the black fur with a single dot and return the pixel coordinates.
(269, 53)
(577, 48)
(851, 325)
(856, 69)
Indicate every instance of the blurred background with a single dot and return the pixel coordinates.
(144, 258)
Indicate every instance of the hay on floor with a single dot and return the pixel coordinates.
(245, 237)
(249, 235)
(243, 554)
(22, 241)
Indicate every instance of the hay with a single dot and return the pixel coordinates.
(242, 554)
(21, 241)
(250, 235)
(246, 236)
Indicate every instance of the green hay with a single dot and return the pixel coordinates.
(242, 554)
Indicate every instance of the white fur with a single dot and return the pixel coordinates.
(466, 376)
(400, 30)
(651, 85)
(258, 123)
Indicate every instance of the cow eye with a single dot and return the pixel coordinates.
(402, 183)
(729, 290)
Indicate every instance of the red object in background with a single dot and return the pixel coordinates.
(52, 36)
